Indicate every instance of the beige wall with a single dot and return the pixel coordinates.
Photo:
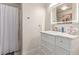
(47, 20)
(32, 26)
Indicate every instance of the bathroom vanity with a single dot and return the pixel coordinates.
(58, 43)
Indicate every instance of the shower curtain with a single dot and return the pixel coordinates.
(8, 29)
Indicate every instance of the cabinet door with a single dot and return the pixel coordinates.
(61, 51)
(48, 38)
(63, 42)
(48, 48)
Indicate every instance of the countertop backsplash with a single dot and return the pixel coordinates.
(66, 28)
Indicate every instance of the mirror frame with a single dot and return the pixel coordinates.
(67, 22)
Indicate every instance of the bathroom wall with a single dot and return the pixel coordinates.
(47, 18)
(67, 26)
(33, 22)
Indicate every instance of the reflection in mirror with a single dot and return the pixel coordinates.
(64, 12)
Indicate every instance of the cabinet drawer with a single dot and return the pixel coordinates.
(61, 51)
(47, 44)
(44, 35)
(47, 51)
(49, 47)
(48, 38)
(63, 42)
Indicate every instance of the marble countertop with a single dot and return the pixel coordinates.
(61, 34)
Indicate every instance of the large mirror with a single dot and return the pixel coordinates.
(63, 13)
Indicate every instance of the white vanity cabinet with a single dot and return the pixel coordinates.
(54, 43)
(48, 44)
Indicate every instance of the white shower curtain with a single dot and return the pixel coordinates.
(8, 29)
